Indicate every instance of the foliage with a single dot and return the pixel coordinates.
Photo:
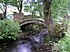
(9, 29)
(68, 6)
(15, 3)
(34, 8)
(59, 8)
(64, 44)
(4, 1)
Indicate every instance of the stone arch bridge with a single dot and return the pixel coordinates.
(28, 21)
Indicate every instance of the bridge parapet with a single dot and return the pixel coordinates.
(33, 21)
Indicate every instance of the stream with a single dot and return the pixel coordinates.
(24, 45)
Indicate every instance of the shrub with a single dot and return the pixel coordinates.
(9, 29)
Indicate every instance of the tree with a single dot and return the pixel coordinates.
(18, 4)
(34, 7)
(47, 15)
(5, 2)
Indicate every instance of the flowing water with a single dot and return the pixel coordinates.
(24, 45)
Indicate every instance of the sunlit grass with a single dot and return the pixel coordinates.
(64, 44)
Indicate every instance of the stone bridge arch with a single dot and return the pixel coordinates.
(20, 17)
(29, 21)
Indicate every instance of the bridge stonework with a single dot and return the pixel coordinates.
(33, 21)
(25, 20)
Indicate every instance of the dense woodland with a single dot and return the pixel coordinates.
(50, 17)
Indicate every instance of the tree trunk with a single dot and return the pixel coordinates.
(5, 8)
(5, 11)
(20, 10)
(47, 15)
